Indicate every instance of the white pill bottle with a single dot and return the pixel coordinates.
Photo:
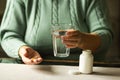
(86, 62)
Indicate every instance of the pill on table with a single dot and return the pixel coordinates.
(74, 72)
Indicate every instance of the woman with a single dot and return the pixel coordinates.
(26, 27)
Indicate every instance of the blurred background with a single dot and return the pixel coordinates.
(113, 54)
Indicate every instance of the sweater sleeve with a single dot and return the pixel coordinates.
(13, 26)
(97, 20)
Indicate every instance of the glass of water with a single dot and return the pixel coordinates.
(58, 47)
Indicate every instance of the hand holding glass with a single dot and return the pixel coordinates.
(58, 47)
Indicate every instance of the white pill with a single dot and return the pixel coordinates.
(74, 72)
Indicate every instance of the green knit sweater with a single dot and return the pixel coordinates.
(28, 22)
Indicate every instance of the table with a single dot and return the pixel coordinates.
(54, 72)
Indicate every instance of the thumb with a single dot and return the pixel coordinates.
(24, 52)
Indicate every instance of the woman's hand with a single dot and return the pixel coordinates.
(75, 38)
(29, 55)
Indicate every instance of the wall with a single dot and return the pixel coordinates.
(114, 52)
(2, 6)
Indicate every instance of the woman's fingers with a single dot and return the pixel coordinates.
(36, 60)
(71, 43)
(72, 39)
(72, 33)
(32, 60)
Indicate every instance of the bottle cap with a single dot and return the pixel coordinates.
(87, 51)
